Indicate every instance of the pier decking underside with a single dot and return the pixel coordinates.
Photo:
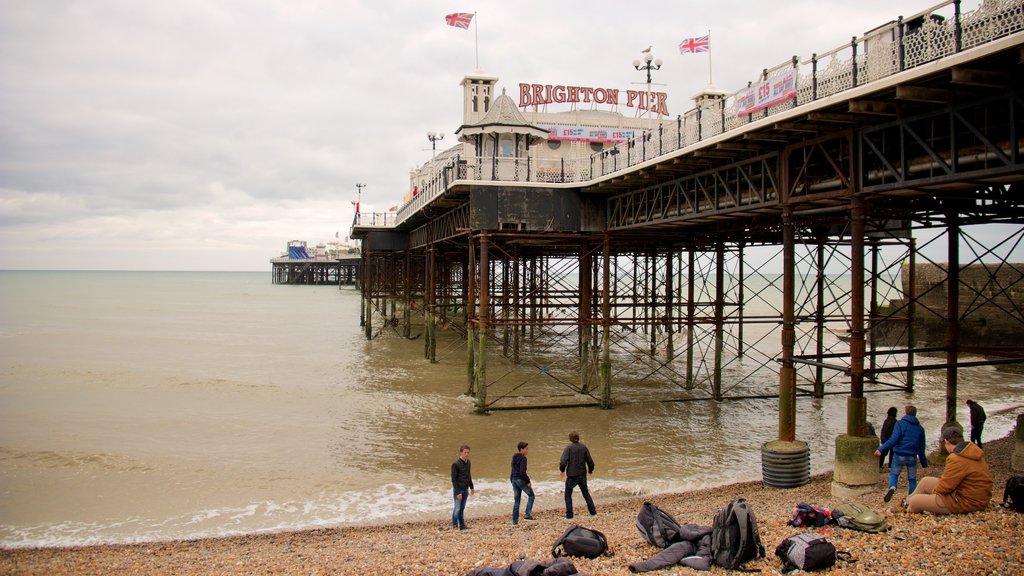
(780, 261)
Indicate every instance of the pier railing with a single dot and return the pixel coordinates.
(898, 45)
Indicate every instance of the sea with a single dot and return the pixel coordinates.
(149, 406)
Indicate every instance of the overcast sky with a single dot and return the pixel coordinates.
(206, 134)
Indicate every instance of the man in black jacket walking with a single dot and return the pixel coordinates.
(574, 466)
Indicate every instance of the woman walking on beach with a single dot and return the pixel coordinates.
(887, 427)
(462, 487)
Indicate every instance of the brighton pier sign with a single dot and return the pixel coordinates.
(541, 94)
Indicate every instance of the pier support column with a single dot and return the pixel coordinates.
(481, 355)
(856, 466)
(430, 310)
(471, 324)
(585, 327)
(819, 313)
(407, 293)
(786, 461)
(669, 320)
(952, 316)
(606, 324)
(911, 314)
(719, 318)
(690, 312)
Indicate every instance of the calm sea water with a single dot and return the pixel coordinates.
(153, 406)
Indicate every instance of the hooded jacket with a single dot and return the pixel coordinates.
(966, 482)
(907, 439)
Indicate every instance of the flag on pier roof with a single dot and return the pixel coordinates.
(459, 19)
(694, 45)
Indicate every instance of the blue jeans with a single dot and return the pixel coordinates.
(572, 482)
(460, 506)
(519, 486)
(898, 462)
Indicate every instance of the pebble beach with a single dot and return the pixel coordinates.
(987, 542)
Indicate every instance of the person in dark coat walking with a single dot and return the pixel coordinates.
(574, 466)
(977, 421)
(462, 487)
(887, 427)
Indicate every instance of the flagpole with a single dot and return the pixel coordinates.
(476, 39)
(710, 79)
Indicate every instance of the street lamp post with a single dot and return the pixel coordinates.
(359, 194)
(434, 137)
(649, 63)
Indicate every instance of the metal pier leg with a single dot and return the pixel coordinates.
(787, 373)
(481, 357)
(742, 297)
(517, 314)
(690, 312)
(669, 303)
(856, 410)
(911, 314)
(719, 316)
(584, 336)
(819, 315)
(952, 315)
(471, 325)
(873, 319)
(606, 322)
(407, 290)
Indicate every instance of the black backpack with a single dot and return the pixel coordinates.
(806, 552)
(580, 541)
(1013, 494)
(657, 526)
(734, 536)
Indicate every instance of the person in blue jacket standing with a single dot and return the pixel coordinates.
(521, 483)
(907, 445)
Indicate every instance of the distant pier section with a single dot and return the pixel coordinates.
(323, 265)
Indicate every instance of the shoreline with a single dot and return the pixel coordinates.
(982, 542)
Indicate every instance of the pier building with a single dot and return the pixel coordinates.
(748, 247)
(324, 265)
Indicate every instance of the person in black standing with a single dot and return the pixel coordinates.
(462, 487)
(574, 466)
(887, 426)
(977, 421)
(521, 483)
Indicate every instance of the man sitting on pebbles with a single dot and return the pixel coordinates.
(965, 485)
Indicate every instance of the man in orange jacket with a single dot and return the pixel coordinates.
(965, 485)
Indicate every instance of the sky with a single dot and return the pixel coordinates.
(206, 134)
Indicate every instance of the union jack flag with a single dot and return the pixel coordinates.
(459, 20)
(694, 45)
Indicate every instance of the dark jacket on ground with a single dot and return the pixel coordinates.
(694, 552)
(462, 477)
(576, 460)
(907, 440)
(966, 482)
(519, 467)
(553, 567)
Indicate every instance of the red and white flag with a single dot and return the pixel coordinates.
(459, 20)
(694, 45)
